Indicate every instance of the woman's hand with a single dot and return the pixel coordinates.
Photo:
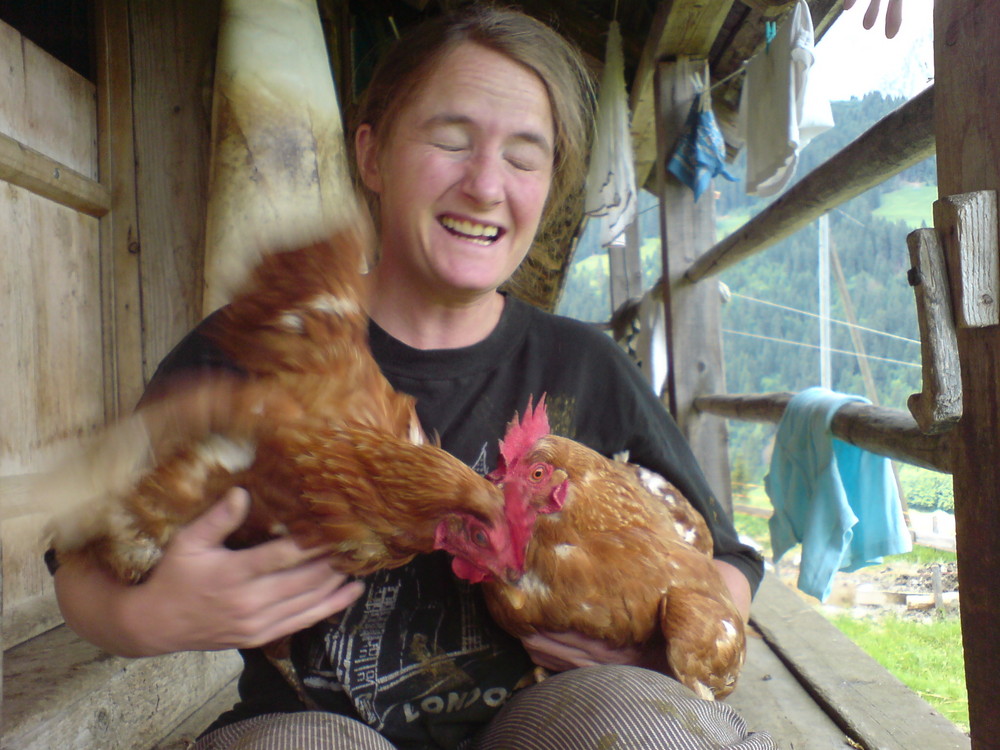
(558, 652)
(203, 596)
(893, 15)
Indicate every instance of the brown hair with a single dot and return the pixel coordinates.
(525, 40)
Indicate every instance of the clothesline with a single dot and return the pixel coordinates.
(814, 346)
(832, 320)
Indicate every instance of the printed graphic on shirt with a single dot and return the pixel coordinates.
(480, 465)
(418, 656)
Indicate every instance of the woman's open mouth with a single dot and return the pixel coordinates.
(480, 234)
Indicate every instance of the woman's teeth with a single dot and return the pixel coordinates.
(481, 234)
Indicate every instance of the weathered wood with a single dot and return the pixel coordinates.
(47, 127)
(279, 167)
(678, 30)
(181, 736)
(45, 105)
(61, 692)
(967, 225)
(51, 327)
(625, 268)
(897, 141)
(967, 64)
(771, 699)
(888, 432)
(34, 171)
(868, 703)
(49, 291)
(172, 59)
(121, 297)
(938, 406)
(693, 312)
(32, 615)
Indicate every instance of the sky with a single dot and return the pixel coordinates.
(852, 60)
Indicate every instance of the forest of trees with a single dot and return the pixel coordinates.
(770, 338)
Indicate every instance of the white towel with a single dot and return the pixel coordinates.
(779, 112)
(611, 192)
(651, 342)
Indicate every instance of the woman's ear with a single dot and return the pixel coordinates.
(366, 151)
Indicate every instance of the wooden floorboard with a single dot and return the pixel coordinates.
(770, 699)
(869, 704)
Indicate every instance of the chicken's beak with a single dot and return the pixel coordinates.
(512, 575)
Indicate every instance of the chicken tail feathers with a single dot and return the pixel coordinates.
(706, 642)
(83, 473)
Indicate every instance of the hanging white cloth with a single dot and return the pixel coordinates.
(779, 112)
(611, 191)
(651, 342)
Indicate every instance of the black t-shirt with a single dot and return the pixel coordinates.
(418, 657)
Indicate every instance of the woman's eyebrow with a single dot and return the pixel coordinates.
(527, 136)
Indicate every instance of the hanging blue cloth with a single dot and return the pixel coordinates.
(700, 153)
(838, 500)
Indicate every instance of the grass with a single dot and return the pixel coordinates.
(925, 656)
(911, 205)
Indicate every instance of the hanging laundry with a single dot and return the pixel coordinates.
(779, 111)
(838, 500)
(611, 191)
(651, 341)
(700, 153)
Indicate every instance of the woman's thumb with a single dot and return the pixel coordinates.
(212, 527)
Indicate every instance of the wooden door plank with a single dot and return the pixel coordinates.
(967, 65)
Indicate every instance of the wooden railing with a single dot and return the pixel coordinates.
(888, 432)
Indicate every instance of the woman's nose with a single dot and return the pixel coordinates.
(483, 180)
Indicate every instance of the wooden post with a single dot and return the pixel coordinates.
(967, 130)
(625, 267)
(694, 339)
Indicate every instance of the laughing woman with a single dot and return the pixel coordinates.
(473, 129)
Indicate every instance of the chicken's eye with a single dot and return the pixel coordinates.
(537, 473)
(480, 538)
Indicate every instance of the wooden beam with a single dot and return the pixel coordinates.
(888, 432)
(121, 312)
(678, 30)
(966, 66)
(897, 141)
(34, 171)
(693, 311)
(938, 406)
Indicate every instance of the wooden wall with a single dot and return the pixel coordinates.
(50, 301)
(102, 214)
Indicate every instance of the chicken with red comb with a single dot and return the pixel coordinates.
(606, 557)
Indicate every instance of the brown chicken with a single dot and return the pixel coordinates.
(608, 558)
(328, 451)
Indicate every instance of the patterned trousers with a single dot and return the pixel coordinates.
(610, 707)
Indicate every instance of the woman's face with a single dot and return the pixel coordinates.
(464, 175)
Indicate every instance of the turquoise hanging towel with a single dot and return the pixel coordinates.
(838, 500)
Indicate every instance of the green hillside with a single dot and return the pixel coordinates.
(911, 205)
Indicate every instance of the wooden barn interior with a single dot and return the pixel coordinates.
(106, 159)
